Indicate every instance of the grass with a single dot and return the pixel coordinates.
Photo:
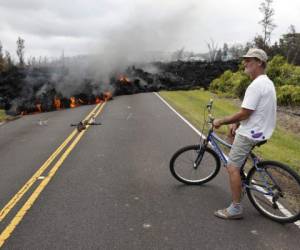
(283, 146)
(3, 116)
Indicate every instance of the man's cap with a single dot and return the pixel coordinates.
(256, 53)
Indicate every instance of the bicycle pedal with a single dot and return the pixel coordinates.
(274, 205)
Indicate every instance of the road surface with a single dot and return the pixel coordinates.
(113, 189)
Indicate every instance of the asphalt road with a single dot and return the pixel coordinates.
(115, 191)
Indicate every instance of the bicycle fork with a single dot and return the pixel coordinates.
(199, 156)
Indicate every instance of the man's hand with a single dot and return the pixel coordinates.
(217, 123)
(232, 128)
(231, 132)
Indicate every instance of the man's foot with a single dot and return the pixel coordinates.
(233, 212)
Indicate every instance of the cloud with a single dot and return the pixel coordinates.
(78, 26)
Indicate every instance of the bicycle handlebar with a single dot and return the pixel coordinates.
(209, 105)
(209, 108)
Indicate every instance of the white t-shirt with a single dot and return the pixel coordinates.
(260, 96)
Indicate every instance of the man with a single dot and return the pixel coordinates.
(257, 119)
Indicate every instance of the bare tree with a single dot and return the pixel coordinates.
(267, 21)
(178, 55)
(20, 50)
(212, 50)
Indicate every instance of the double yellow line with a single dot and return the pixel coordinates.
(5, 234)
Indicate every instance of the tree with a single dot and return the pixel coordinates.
(1, 58)
(236, 51)
(290, 45)
(259, 42)
(294, 42)
(178, 55)
(267, 21)
(225, 52)
(275, 50)
(8, 60)
(219, 55)
(20, 50)
(212, 50)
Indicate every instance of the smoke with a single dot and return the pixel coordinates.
(146, 35)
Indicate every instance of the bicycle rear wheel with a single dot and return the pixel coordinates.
(184, 169)
(280, 187)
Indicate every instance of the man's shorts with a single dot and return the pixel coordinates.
(240, 150)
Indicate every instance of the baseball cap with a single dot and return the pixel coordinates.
(257, 53)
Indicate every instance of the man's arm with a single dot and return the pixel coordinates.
(243, 114)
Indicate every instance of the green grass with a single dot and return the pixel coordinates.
(2, 115)
(283, 146)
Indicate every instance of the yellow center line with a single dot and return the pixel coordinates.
(28, 204)
(6, 209)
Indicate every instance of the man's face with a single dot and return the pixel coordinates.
(251, 65)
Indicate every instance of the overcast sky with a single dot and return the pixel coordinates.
(89, 26)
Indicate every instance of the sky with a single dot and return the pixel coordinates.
(127, 27)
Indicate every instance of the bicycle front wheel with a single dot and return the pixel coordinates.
(188, 168)
(274, 190)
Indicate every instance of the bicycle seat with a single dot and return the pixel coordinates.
(261, 143)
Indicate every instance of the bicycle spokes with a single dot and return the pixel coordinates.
(275, 191)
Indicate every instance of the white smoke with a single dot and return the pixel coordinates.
(146, 35)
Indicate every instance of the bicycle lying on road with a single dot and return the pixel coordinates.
(272, 187)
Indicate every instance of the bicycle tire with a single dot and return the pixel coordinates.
(212, 168)
(285, 184)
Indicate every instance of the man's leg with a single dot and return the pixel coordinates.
(235, 210)
(239, 151)
(235, 183)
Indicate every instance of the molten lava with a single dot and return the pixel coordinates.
(107, 95)
(124, 80)
(57, 103)
(73, 102)
(98, 100)
(38, 107)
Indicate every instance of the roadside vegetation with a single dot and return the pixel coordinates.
(283, 146)
(285, 76)
(3, 116)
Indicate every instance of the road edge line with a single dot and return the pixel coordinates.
(297, 223)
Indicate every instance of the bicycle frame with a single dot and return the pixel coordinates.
(214, 139)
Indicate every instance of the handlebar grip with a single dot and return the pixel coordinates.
(209, 105)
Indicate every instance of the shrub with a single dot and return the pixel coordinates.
(241, 82)
(288, 95)
(295, 77)
(233, 84)
(286, 78)
(223, 83)
(274, 66)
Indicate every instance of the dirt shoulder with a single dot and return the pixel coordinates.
(289, 119)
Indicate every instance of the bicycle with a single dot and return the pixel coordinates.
(272, 187)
